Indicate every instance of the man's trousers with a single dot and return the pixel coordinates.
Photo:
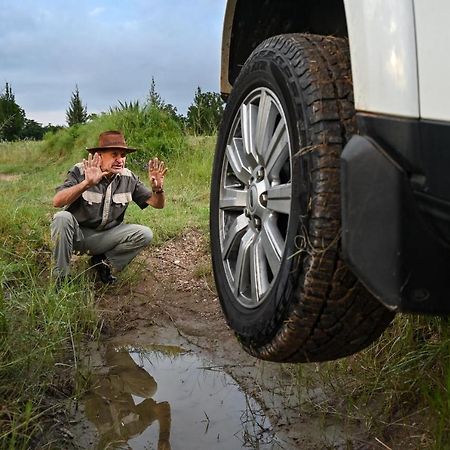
(119, 244)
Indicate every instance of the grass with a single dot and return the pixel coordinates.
(38, 328)
(398, 389)
(397, 386)
(187, 193)
(41, 331)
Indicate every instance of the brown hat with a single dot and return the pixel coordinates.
(109, 140)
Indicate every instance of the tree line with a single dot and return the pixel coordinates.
(14, 124)
(202, 117)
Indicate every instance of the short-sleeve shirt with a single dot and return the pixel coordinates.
(103, 206)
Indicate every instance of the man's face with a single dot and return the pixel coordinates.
(113, 161)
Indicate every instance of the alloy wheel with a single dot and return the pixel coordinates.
(255, 196)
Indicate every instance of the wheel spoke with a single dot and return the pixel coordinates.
(249, 114)
(277, 151)
(267, 114)
(273, 244)
(259, 280)
(242, 271)
(239, 224)
(274, 140)
(233, 199)
(279, 198)
(238, 162)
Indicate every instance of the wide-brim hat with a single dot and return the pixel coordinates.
(110, 140)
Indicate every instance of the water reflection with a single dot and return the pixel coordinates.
(197, 405)
(111, 407)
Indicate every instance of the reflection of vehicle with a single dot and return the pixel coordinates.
(296, 169)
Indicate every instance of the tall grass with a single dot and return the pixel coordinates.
(38, 327)
(398, 389)
(41, 330)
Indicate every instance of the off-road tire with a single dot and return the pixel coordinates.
(315, 309)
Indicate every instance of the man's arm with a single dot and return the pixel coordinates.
(157, 200)
(69, 195)
(92, 176)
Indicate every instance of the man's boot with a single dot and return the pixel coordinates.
(103, 269)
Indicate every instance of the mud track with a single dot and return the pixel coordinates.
(170, 299)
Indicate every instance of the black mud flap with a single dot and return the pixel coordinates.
(386, 241)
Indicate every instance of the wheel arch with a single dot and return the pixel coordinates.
(249, 22)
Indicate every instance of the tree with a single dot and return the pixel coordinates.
(32, 130)
(154, 100)
(205, 113)
(12, 116)
(77, 113)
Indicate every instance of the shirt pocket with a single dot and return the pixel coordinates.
(122, 199)
(92, 197)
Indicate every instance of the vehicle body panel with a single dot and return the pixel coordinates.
(383, 54)
(433, 38)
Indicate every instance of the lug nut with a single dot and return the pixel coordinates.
(260, 174)
(257, 223)
(246, 212)
(263, 199)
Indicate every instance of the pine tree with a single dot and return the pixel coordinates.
(77, 113)
(154, 99)
(12, 116)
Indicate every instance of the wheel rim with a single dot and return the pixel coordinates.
(255, 197)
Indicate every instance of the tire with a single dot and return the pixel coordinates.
(275, 206)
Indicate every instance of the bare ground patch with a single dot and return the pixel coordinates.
(9, 177)
(170, 299)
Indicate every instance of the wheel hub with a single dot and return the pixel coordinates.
(257, 197)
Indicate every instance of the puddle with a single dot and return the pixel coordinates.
(164, 398)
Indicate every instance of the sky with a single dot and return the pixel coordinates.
(111, 49)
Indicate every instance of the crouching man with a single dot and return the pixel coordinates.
(96, 194)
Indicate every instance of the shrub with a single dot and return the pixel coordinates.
(153, 131)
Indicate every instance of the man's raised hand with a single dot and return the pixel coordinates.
(92, 170)
(156, 172)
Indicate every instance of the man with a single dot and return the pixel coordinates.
(96, 194)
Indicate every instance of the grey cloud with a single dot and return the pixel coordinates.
(110, 55)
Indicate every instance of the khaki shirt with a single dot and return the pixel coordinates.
(103, 206)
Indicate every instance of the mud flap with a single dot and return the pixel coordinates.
(386, 241)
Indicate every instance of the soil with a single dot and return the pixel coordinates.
(6, 177)
(168, 298)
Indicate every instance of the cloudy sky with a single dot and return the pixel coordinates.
(110, 49)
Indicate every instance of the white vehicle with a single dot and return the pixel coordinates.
(330, 197)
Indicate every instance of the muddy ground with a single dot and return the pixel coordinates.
(170, 300)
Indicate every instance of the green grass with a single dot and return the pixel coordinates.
(403, 379)
(397, 387)
(38, 328)
(187, 193)
(41, 331)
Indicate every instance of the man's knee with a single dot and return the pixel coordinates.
(143, 235)
(61, 221)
